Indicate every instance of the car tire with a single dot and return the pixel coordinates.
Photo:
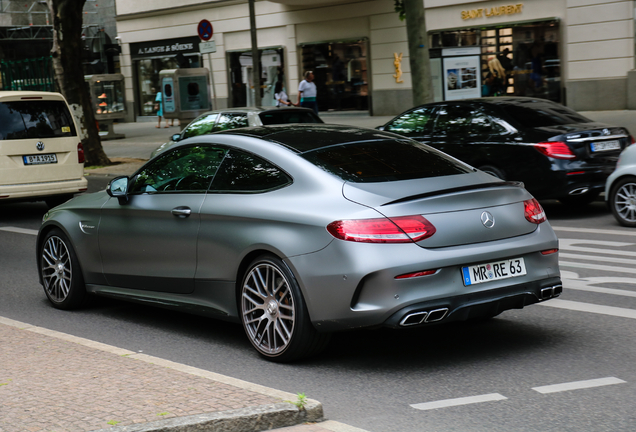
(493, 171)
(622, 201)
(61, 272)
(274, 314)
(57, 200)
(579, 200)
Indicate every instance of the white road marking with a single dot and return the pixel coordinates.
(598, 267)
(583, 287)
(570, 245)
(577, 385)
(592, 308)
(627, 232)
(597, 258)
(459, 401)
(19, 230)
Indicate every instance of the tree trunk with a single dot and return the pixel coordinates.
(69, 73)
(418, 52)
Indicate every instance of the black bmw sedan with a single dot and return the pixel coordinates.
(556, 152)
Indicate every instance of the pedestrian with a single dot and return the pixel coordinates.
(307, 92)
(280, 95)
(159, 109)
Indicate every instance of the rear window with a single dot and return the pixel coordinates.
(35, 119)
(288, 116)
(383, 161)
(541, 114)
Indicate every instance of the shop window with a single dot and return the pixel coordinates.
(241, 77)
(340, 71)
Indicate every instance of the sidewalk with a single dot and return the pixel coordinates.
(51, 381)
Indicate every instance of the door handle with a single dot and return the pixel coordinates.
(182, 212)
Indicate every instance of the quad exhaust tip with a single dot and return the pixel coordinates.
(551, 292)
(424, 317)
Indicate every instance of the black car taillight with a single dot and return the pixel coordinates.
(555, 149)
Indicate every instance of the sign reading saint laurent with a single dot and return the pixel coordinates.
(492, 12)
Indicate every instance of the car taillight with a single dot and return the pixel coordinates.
(633, 141)
(80, 153)
(555, 149)
(403, 229)
(533, 211)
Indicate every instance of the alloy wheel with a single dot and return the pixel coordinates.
(625, 202)
(57, 270)
(268, 309)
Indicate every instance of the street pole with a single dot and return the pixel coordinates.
(256, 61)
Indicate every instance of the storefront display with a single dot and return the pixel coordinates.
(241, 77)
(519, 59)
(340, 71)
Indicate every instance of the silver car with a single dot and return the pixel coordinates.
(299, 231)
(620, 188)
(232, 118)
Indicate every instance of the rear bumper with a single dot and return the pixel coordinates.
(37, 191)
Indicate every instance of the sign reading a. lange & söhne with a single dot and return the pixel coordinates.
(165, 47)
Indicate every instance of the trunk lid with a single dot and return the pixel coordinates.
(589, 141)
(455, 205)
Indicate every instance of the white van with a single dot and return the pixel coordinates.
(41, 156)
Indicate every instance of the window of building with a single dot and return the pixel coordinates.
(519, 60)
(340, 74)
(241, 77)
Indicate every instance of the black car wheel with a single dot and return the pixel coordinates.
(493, 171)
(623, 201)
(61, 273)
(274, 314)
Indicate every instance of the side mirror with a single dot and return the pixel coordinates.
(118, 188)
(175, 137)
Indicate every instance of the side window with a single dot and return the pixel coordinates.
(418, 121)
(201, 126)
(184, 169)
(231, 121)
(461, 121)
(243, 172)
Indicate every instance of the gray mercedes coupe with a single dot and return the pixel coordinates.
(298, 231)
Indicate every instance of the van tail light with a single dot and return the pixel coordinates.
(533, 211)
(403, 229)
(555, 149)
(632, 140)
(80, 153)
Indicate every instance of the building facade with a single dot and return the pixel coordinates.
(577, 52)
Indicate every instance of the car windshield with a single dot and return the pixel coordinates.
(541, 114)
(288, 116)
(384, 161)
(35, 119)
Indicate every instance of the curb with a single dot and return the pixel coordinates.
(252, 419)
(242, 420)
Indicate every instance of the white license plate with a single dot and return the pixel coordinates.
(493, 271)
(40, 159)
(606, 146)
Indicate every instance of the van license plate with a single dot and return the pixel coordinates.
(493, 271)
(40, 159)
(606, 146)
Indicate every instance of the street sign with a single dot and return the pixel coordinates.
(207, 47)
(204, 29)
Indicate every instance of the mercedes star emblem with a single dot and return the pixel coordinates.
(487, 219)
